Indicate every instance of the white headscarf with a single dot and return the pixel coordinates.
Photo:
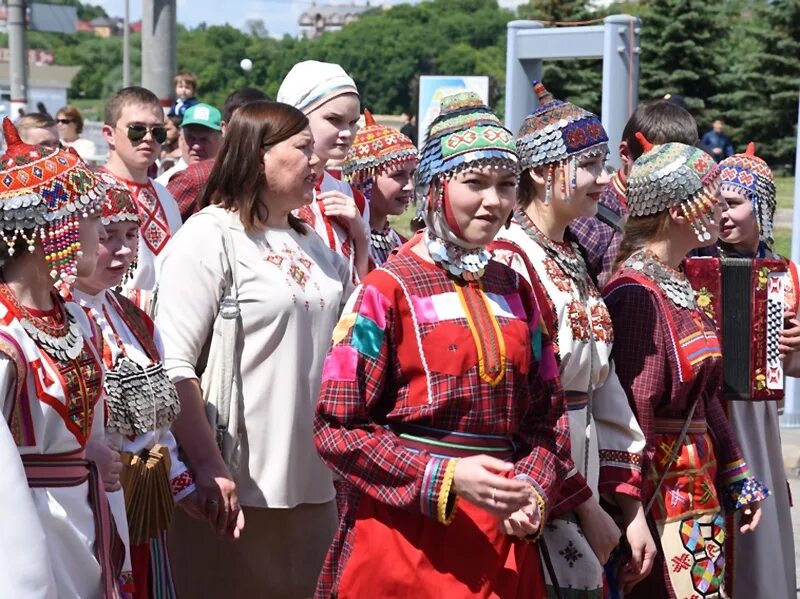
(311, 83)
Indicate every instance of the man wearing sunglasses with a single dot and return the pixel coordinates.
(200, 138)
(134, 129)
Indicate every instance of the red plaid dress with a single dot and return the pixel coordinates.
(404, 354)
(666, 358)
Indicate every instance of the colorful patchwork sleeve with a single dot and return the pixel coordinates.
(619, 439)
(544, 427)
(639, 356)
(348, 438)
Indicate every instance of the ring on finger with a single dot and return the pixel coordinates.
(494, 495)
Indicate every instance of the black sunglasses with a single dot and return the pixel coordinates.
(64, 121)
(138, 132)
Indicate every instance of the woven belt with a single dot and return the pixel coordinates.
(576, 400)
(72, 470)
(674, 425)
(453, 444)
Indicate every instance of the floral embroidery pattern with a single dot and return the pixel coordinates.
(705, 301)
(578, 320)
(296, 268)
(571, 554)
(601, 324)
(557, 276)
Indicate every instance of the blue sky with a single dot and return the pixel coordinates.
(279, 16)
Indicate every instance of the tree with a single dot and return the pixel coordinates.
(682, 46)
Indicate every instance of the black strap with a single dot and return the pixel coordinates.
(609, 217)
(548, 563)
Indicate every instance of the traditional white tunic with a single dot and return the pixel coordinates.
(291, 290)
(45, 413)
(606, 439)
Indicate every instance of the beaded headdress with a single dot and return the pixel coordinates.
(750, 176)
(118, 203)
(559, 133)
(44, 192)
(674, 174)
(465, 135)
(376, 149)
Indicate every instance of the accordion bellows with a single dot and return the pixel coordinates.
(745, 298)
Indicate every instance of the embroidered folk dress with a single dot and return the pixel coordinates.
(128, 332)
(334, 235)
(159, 220)
(52, 409)
(607, 442)
(764, 558)
(668, 357)
(425, 368)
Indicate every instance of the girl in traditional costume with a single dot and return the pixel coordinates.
(381, 165)
(328, 96)
(440, 401)
(764, 559)
(50, 377)
(142, 402)
(668, 359)
(562, 151)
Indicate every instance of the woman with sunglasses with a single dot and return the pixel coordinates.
(70, 126)
(134, 129)
(668, 360)
(440, 400)
(340, 215)
(290, 289)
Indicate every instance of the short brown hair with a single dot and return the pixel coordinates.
(238, 177)
(187, 77)
(74, 115)
(125, 97)
(35, 120)
(660, 121)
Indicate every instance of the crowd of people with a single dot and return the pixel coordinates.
(240, 380)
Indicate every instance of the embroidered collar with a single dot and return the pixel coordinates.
(467, 264)
(565, 254)
(671, 281)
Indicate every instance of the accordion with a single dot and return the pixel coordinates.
(745, 298)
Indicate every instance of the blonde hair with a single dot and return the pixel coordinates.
(638, 231)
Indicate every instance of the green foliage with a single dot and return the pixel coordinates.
(737, 58)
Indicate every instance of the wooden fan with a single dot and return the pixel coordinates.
(148, 496)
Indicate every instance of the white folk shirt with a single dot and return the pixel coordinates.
(56, 556)
(291, 291)
(583, 344)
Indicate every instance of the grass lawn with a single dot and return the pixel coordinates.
(785, 188)
(783, 241)
(401, 223)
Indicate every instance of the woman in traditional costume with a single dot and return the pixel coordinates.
(290, 289)
(440, 401)
(562, 152)
(328, 96)
(141, 400)
(667, 357)
(764, 559)
(50, 377)
(381, 165)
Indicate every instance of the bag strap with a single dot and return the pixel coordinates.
(673, 455)
(609, 217)
(229, 312)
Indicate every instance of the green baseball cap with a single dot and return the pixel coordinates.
(204, 115)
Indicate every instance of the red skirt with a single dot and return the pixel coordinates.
(401, 554)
